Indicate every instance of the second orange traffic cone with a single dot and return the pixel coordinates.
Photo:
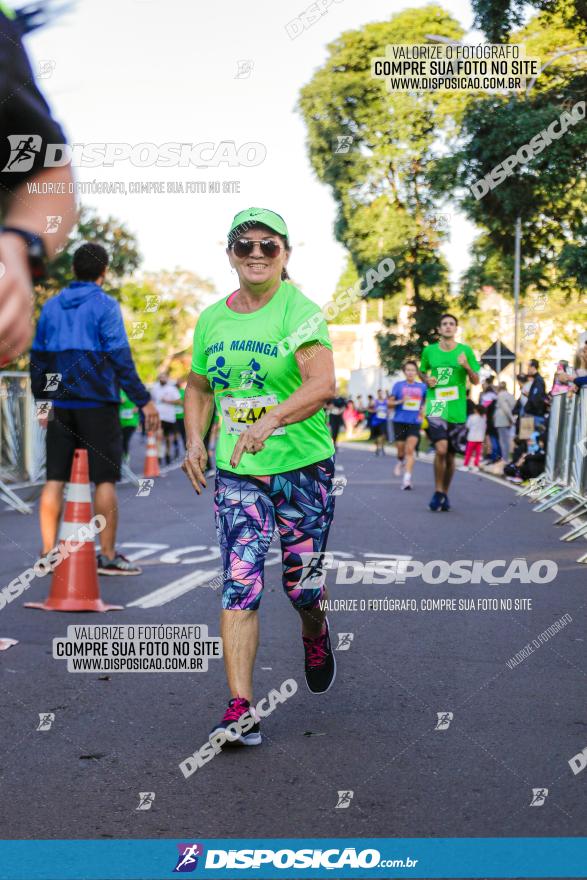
(74, 585)
(152, 457)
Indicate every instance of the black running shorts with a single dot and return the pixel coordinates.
(403, 430)
(454, 432)
(96, 429)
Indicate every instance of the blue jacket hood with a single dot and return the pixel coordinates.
(77, 293)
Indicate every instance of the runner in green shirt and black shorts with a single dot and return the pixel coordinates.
(129, 420)
(445, 367)
(264, 357)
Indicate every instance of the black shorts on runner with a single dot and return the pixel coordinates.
(96, 429)
(379, 430)
(454, 432)
(403, 430)
(168, 428)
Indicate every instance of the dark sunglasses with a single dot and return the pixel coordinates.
(243, 247)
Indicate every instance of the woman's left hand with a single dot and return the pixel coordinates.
(253, 439)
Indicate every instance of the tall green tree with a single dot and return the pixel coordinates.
(160, 312)
(120, 243)
(372, 148)
(548, 192)
(497, 18)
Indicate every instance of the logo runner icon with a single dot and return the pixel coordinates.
(24, 149)
(187, 860)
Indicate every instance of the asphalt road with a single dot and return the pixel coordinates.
(513, 729)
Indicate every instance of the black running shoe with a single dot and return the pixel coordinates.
(119, 565)
(320, 665)
(231, 725)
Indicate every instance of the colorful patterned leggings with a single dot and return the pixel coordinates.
(247, 509)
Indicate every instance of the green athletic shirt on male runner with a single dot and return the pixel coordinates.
(451, 388)
(128, 417)
(240, 356)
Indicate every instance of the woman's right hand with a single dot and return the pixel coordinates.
(194, 464)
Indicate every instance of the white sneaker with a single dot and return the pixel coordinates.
(474, 467)
(398, 469)
(464, 467)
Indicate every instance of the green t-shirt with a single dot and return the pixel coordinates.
(128, 418)
(448, 399)
(250, 363)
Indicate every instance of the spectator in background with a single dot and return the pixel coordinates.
(504, 419)
(362, 421)
(336, 408)
(563, 375)
(81, 339)
(476, 428)
(581, 359)
(488, 399)
(536, 404)
(566, 377)
(524, 384)
(528, 464)
(350, 418)
(166, 395)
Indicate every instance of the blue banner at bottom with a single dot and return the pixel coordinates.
(273, 858)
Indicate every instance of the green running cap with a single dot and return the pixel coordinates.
(263, 216)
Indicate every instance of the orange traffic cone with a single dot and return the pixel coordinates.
(74, 586)
(152, 457)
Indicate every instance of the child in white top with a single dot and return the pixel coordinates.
(476, 428)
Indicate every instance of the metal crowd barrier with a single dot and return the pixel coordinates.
(565, 472)
(22, 445)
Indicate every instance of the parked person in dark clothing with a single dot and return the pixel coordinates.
(487, 399)
(536, 405)
(336, 408)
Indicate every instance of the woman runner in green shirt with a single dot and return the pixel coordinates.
(263, 354)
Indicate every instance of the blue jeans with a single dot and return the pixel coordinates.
(495, 448)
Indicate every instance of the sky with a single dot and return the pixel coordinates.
(144, 71)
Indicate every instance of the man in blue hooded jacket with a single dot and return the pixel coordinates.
(80, 360)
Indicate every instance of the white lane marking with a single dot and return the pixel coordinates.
(140, 554)
(174, 590)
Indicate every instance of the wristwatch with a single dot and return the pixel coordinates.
(35, 249)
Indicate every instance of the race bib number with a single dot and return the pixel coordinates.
(127, 413)
(444, 375)
(240, 413)
(411, 404)
(449, 393)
